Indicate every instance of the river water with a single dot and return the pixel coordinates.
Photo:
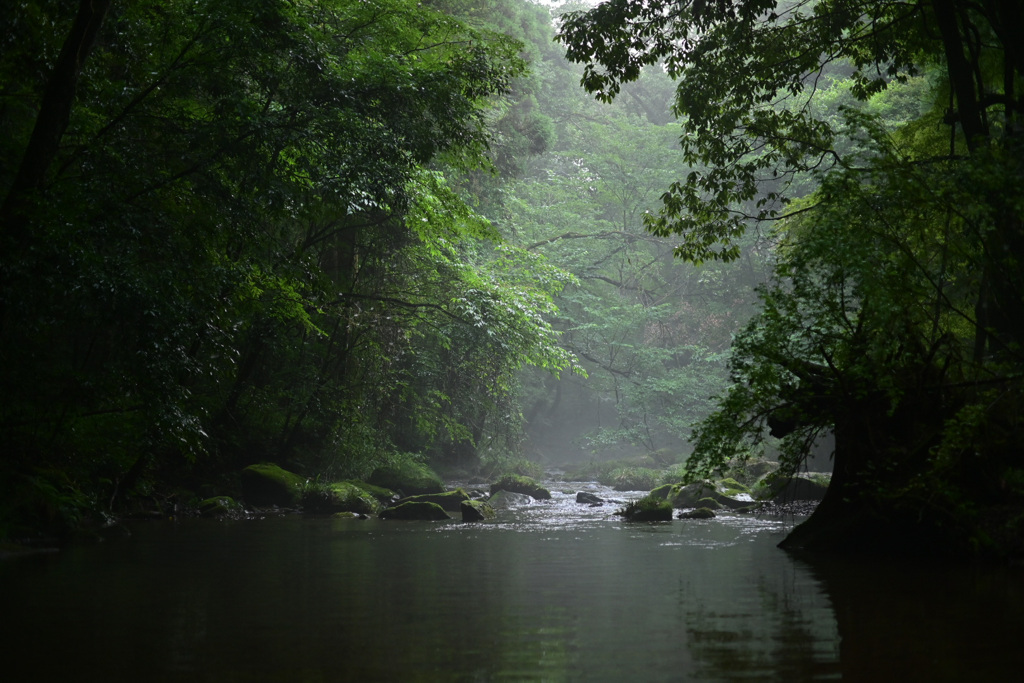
(551, 591)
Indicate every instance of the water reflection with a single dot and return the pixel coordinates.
(552, 592)
(907, 621)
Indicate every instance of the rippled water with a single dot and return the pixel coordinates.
(552, 591)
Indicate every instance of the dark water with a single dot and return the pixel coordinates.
(551, 592)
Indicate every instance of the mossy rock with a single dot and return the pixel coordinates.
(267, 484)
(339, 496)
(476, 511)
(647, 509)
(663, 492)
(508, 499)
(384, 495)
(691, 495)
(687, 495)
(786, 489)
(731, 487)
(750, 471)
(699, 513)
(517, 483)
(219, 506)
(348, 515)
(709, 503)
(409, 477)
(415, 511)
(450, 501)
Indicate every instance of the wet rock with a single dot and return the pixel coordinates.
(415, 511)
(585, 497)
(508, 499)
(519, 484)
(786, 489)
(699, 513)
(691, 495)
(476, 511)
(449, 500)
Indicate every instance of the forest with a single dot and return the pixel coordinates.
(341, 234)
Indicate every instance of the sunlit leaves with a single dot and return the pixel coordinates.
(748, 75)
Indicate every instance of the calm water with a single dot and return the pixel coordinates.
(551, 592)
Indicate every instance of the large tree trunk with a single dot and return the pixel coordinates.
(835, 523)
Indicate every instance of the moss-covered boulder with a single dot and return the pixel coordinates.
(476, 511)
(748, 472)
(219, 506)
(415, 511)
(731, 487)
(336, 497)
(383, 495)
(691, 495)
(786, 489)
(450, 501)
(267, 484)
(517, 483)
(664, 491)
(409, 477)
(503, 500)
(647, 509)
(699, 513)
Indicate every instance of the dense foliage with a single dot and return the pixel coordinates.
(894, 319)
(228, 236)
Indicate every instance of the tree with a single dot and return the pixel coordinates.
(215, 234)
(894, 318)
(650, 331)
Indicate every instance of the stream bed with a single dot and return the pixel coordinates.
(551, 591)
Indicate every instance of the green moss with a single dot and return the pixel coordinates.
(269, 484)
(339, 496)
(647, 509)
(407, 476)
(382, 494)
(731, 487)
(663, 492)
(449, 500)
(476, 511)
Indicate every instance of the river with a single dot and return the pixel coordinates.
(551, 591)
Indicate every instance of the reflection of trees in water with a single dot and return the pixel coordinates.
(905, 621)
(783, 630)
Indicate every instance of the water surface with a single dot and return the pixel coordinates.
(552, 591)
